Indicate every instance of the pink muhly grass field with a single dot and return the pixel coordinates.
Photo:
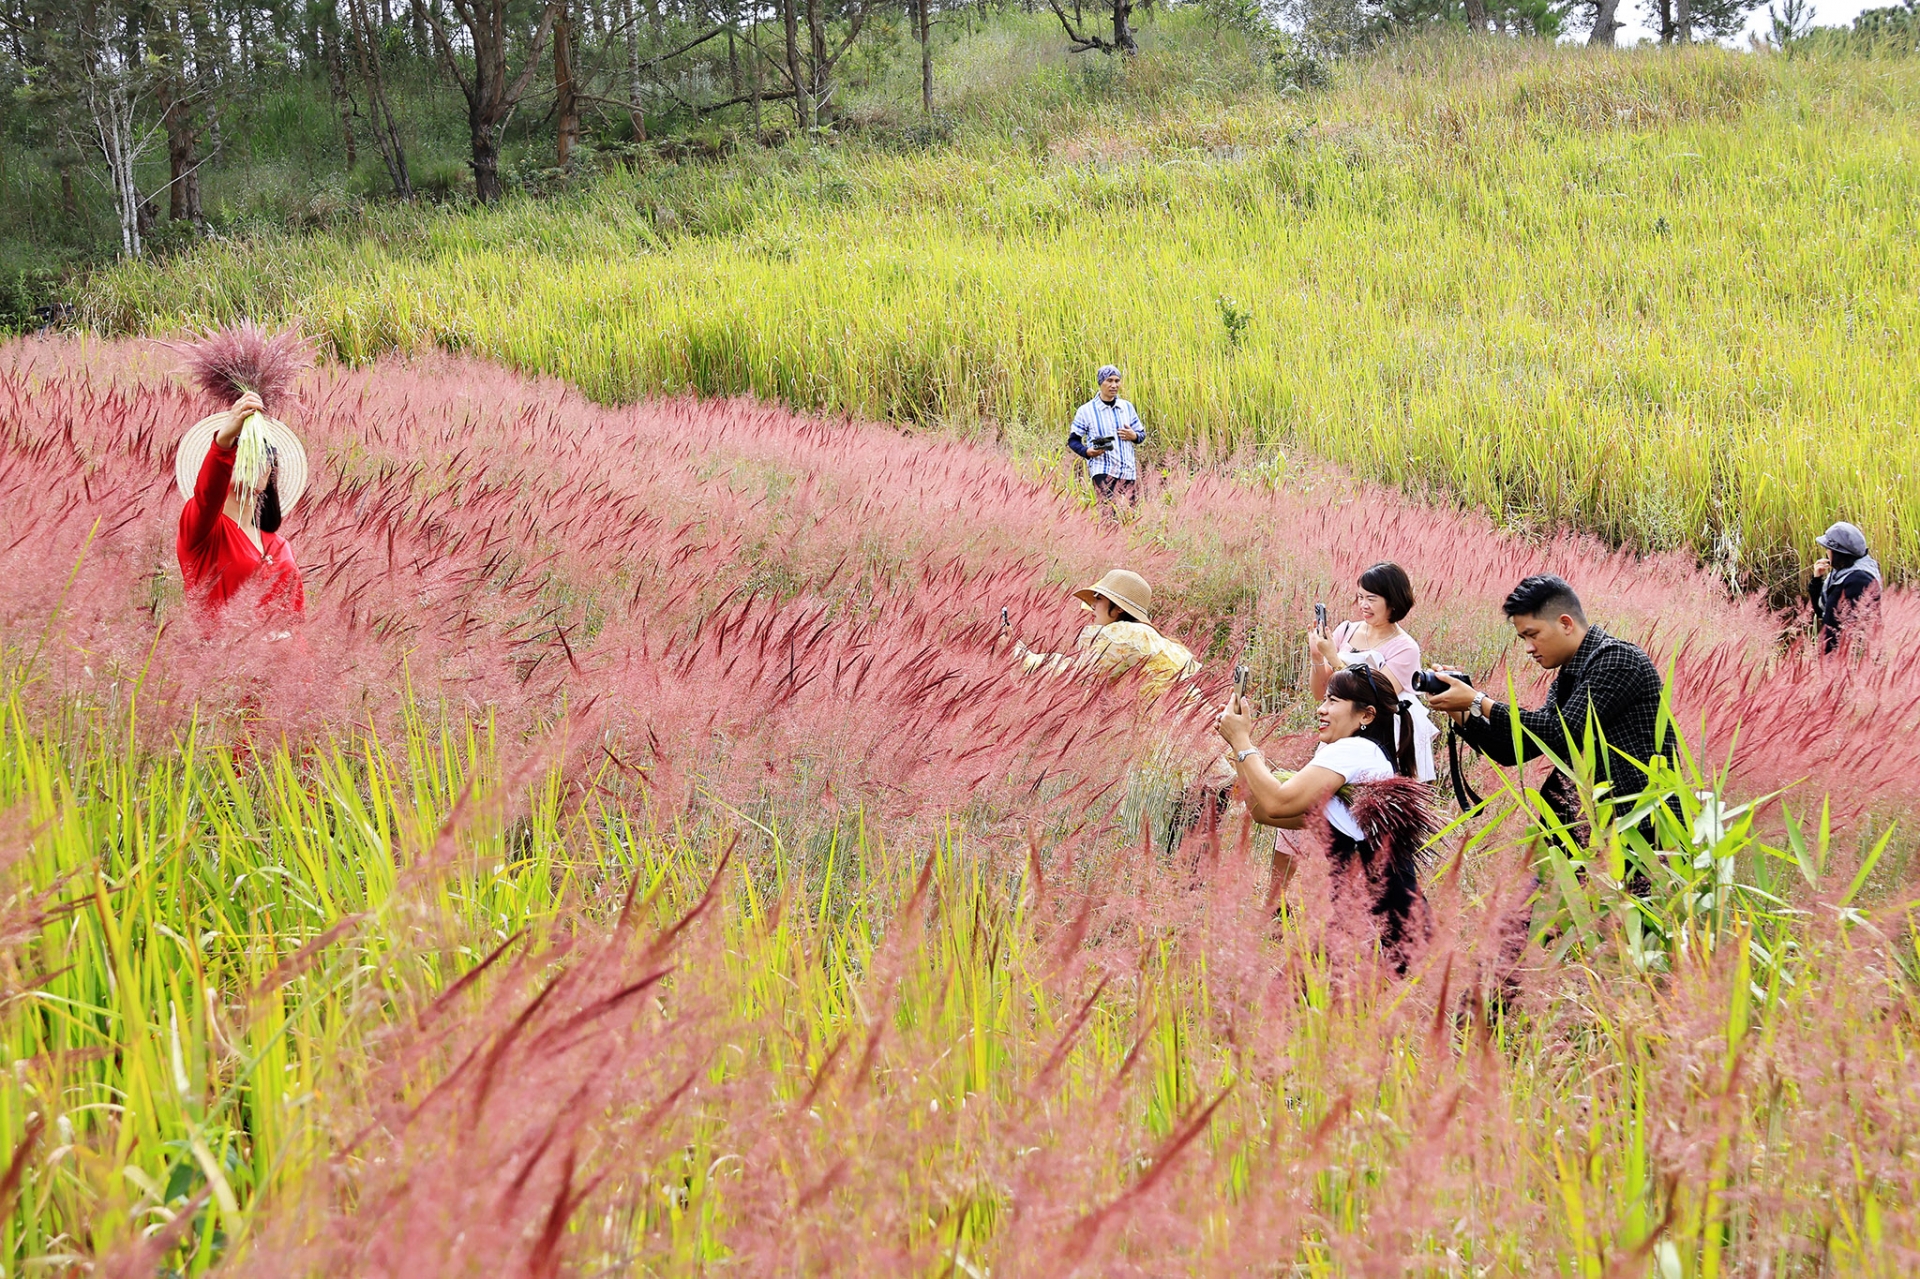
(870, 970)
(730, 598)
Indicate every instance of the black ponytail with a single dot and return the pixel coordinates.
(1402, 754)
(269, 521)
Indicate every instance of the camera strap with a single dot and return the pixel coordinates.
(1463, 792)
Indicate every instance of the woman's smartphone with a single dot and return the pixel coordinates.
(1320, 618)
(1240, 673)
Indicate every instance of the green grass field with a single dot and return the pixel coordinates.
(243, 964)
(1664, 296)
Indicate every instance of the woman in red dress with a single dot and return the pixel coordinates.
(240, 472)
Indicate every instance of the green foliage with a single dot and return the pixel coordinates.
(1893, 29)
(1234, 319)
(29, 298)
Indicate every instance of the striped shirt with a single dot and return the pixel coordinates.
(1098, 420)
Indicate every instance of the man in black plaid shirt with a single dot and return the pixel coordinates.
(1599, 678)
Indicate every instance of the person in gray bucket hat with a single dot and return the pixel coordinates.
(1104, 433)
(1845, 590)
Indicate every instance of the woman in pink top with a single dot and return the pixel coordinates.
(1374, 638)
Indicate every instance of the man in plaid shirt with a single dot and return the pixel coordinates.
(1599, 680)
(1104, 432)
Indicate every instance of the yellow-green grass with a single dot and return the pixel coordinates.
(1666, 296)
(212, 958)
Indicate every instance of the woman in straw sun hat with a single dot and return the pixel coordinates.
(241, 472)
(1120, 637)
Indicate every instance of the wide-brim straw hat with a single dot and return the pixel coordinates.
(292, 457)
(1129, 590)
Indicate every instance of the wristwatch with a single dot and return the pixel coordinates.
(1479, 702)
(1241, 756)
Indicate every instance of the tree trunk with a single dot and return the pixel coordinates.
(754, 40)
(247, 58)
(486, 107)
(206, 74)
(1605, 25)
(1664, 10)
(112, 109)
(630, 26)
(176, 93)
(821, 91)
(1122, 33)
(1683, 21)
(386, 129)
(926, 63)
(337, 82)
(183, 161)
(802, 99)
(69, 205)
(1477, 15)
(565, 104)
(491, 95)
(486, 158)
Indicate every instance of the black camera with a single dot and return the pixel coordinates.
(1430, 682)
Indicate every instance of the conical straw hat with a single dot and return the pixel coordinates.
(280, 437)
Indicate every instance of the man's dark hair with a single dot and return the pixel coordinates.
(1544, 595)
(1390, 582)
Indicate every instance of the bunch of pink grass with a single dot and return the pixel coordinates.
(229, 362)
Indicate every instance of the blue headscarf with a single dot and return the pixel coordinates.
(1106, 371)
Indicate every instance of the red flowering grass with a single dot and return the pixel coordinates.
(744, 601)
(1124, 1067)
(1041, 1048)
(240, 357)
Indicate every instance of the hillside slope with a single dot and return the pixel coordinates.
(645, 858)
(1662, 296)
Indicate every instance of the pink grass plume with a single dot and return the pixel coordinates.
(228, 362)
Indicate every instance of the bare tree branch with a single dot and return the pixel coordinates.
(1079, 43)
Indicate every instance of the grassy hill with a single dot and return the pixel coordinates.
(1665, 296)
(644, 859)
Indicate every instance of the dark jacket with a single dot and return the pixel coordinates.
(1608, 681)
(1846, 599)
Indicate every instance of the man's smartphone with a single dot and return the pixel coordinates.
(1320, 618)
(1005, 619)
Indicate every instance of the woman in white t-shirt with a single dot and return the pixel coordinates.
(1374, 637)
(1360, 782)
